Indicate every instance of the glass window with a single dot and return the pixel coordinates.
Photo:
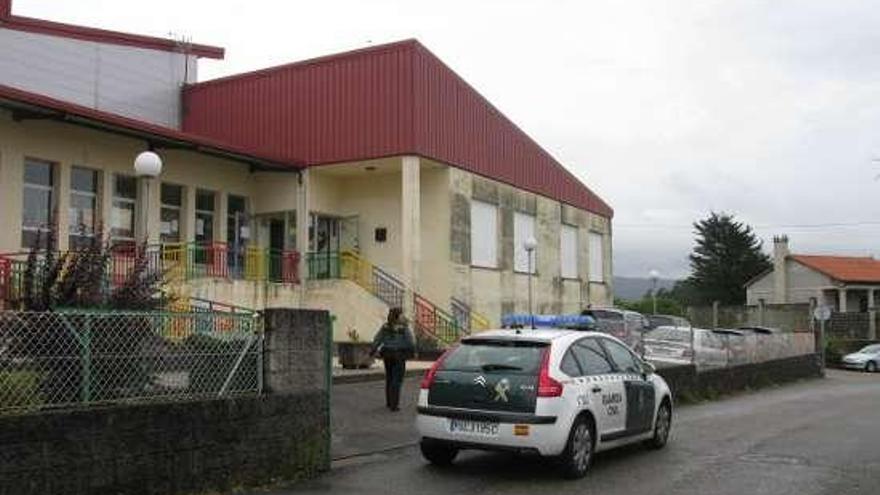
(568, 244)
(124, 208)
(523, 228)
(591, 357)
(83, 207)
(622, 357)
(204, 216)
(237, 228)
(597, 258)
(570, 365)
(171, 197)
(37, 203)
(509, 357)
(484, 234)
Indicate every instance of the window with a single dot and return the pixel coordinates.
(597, 258)
(570, 365)
(83, 207)
(622, 357)
(171, 197)
(124, 208)
(238, 231)
(484, 234)
(568, 244)
(38, 202)
(523, 228)
(204, 216)
(591, 357)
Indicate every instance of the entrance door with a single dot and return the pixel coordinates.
(324, 242)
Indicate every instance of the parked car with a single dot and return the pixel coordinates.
(655, 321)
(673, 345)
(867, 359)
(624, 324)
(758, 330)
(564, 394)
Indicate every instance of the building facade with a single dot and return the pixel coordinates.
(352, 182)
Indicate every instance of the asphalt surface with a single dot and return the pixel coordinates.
(811, 437)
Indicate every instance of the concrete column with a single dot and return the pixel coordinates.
(105, 203)
(303, 202)
(62, 205)
(188, 215)
(410, 221)
(221, 207)
(872, 316)
(841, 297)
(147, 210)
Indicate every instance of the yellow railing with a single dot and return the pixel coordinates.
(357, 269)
(479, 322)
(175, 262)
(254, 263)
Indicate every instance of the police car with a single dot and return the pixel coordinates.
(560, 393)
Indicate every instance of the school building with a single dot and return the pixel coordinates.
(350, 182)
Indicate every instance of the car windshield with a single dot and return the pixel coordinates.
(670, 334)
(871, 349)
(488, 356)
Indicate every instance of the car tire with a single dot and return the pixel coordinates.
(871, 367)
(578, 454)
(438, 453)
(662, 426)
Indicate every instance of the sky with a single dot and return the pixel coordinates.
(768, 110)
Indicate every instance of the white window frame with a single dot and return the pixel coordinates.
(523, 228)
(116, 198)
(484, 234)
(568, 252)
(597, 257)
(53, 195)
(176, 209)
(91, 195)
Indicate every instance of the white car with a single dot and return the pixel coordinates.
(559, 393)
(867, 359)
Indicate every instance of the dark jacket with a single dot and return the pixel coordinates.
(394, 341)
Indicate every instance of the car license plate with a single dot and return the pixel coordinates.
(482, 428)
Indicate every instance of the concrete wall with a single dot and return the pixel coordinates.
(134, 82)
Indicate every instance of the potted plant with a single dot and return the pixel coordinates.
(354, 354)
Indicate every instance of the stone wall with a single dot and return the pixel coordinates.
(187, 447)
(687, 383)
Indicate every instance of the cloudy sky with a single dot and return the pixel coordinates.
(668, 109)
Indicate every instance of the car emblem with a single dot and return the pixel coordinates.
(501, 389)
(480, 380)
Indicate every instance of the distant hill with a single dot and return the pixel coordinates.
(633, 288)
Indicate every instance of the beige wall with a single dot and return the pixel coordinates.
(69, 145)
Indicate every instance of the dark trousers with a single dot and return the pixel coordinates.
(394, 371)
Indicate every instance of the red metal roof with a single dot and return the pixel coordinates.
(46, 107)
(18, 23)
(843, 268)
(388, 100)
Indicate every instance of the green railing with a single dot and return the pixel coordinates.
(323, 265)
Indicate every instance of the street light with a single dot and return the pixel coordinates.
(655, 275)
(530, 245)
(147, 165)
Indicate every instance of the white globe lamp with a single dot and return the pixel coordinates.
(148, 164)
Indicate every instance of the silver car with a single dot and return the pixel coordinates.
(867, 359)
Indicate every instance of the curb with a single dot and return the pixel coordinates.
(373, 376)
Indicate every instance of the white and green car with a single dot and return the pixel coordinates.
(559, 393)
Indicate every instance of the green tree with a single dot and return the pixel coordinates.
(726, 256)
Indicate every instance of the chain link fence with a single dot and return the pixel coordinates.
(74, 359)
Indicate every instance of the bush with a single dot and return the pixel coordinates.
(19, 389)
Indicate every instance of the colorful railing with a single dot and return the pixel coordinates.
(177, 262)
(470, 320)
(431, 320)
(375, 280)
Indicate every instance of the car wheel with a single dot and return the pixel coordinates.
(871, 367)
(578, 454)
(438, 453)
(662, 425)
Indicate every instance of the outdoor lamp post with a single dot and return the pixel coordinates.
(530, 245)
(147, 165)
(655, 275)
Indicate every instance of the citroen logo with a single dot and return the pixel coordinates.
(480, 380)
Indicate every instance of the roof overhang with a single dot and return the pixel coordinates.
(27, 106)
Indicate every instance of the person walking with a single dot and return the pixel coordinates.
(394, 343)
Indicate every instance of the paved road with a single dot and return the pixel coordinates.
(814, 437)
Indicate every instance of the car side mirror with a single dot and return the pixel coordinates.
(648, 368)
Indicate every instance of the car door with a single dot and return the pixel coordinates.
(639, 394)
(602, 389)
